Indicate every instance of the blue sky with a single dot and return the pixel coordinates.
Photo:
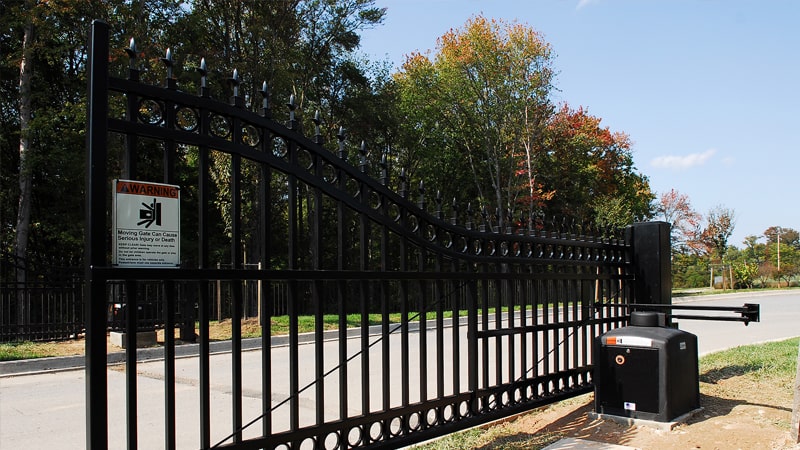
(708, 90)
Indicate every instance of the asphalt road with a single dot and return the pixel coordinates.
(46, 409)
(780, 319)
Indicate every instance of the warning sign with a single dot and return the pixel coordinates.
(146, 224)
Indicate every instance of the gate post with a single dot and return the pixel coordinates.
(651, 262)
(95, 252)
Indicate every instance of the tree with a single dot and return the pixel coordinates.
(753, 250)
(720, 224)
(782, 253)
(765, 271)
(25, 117)
(689, 270)
(676, 208)
(786, 272)
(791, 237)
(304, 48)
(46, 41)
(589, 171)
(785, 235)
(44, 51)
(481, 105)
(487, 89)
(788, 236)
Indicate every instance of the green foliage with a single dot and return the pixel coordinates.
(689, 271)
(472, 110)
(300, 47)
(745, 273)
(55, 157)
(753, 266)
(478, 116)
(471, 122)
(304, 49)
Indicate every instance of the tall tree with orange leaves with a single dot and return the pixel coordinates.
(479, 113)
(676, 208)
(589, 171)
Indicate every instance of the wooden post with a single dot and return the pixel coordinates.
(730, 273)
(796, 407)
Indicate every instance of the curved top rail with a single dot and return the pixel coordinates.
(165, 112)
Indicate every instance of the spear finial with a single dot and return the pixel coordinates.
(167, 60)
(264, 100)
(342, 151)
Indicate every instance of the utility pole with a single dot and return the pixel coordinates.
(796, 408)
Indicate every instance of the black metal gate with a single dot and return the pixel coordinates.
(491, 322)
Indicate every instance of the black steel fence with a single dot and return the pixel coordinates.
(492, 321)
(51, 307)
(41, 311)
(39, 300)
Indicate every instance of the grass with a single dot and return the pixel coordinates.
(306, 324)
(772, 361)
(279, 325)
(27, 350)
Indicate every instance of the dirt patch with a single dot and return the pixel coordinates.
(737, 414)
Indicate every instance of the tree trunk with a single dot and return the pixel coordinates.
(24, 208)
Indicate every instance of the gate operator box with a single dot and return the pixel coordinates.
(646, 371)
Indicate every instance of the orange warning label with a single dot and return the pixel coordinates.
(149, 189)
(631, 341)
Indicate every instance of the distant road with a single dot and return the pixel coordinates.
(780, 319)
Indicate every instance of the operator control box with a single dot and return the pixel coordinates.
(646, 372)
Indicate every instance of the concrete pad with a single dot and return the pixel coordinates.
(583, 444)
(663, 426)
(143, 339)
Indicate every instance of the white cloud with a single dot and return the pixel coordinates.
(683, 162)
(582, 3)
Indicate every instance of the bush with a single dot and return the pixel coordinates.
(695, 280)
